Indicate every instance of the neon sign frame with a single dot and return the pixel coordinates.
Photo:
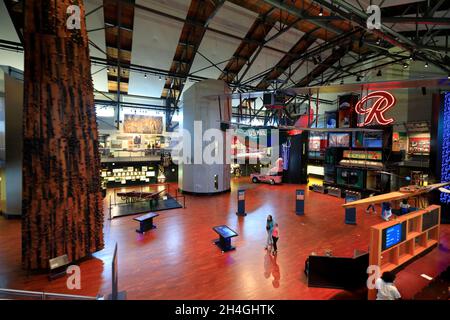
(384, 101)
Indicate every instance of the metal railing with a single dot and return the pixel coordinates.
(44, 295)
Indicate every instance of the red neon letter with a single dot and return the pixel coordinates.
(384, 102)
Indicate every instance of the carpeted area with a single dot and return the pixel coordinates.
(438, 289)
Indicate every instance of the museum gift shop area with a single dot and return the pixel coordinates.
(224, 150)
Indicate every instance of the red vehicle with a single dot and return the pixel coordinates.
(272, 179)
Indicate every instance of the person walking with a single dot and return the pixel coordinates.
(275, 237)
(371, 206)
(269, 228)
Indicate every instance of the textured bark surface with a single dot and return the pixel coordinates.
(62, 203)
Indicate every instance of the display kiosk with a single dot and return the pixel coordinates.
(394, 243)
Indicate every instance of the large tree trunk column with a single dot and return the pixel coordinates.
(62, 202)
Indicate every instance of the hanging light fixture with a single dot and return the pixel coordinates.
(145, 76)
(321, 12)
(426, 64)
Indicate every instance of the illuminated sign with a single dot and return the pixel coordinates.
(383, 102)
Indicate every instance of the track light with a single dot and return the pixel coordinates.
(426, 64)
(160, 78)
(379, 73)
(342, 81)
(405, 65)
(321, 12)
(145, 76)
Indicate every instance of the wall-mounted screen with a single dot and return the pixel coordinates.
(350, 177)
(367, 140)
(393, 235)
(430, 219)
(339, 140)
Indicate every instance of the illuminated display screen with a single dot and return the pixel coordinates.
(445, 167)
(393, 235)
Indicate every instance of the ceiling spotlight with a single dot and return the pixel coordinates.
(378, 41)
(426, 64)
(358, 78)
(405, 65)
(145, 76)
(160, 78)
(107, 70)
(319, 58)
(379, 73)
(342, 81)
(448, 77)
(321, 12)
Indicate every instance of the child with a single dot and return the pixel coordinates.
(275, 236)
(386, 211)
(404, 206)
(386, 287)
(371, 206)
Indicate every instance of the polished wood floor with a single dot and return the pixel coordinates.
(179, 261)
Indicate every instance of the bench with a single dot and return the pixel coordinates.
(146, 222)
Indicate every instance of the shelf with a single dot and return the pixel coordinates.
(419, 249)
(402, 259)
(412, 235)
(388, 267)
(431, 243)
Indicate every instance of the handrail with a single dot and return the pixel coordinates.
(45, 295)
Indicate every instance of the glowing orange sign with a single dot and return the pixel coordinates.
(384, 101)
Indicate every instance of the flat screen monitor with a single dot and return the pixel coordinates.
(430, 219)
(350, 177)
(393, 235)
(369, 140)
(339, 140)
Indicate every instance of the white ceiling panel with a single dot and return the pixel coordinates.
(8, 32)
(217, 48)
(94, 21)
(266, 59)
(286, 40)
(178, 8)
(233, 19)
(155, 40)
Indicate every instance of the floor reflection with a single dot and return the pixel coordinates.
(272, 269)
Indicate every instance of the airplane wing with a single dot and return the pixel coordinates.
(403, 193)
(391, 196)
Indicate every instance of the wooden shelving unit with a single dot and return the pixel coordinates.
(417, 240)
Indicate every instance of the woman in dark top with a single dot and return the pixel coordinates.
(269, 228)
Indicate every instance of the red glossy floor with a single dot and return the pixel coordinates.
(178, 260)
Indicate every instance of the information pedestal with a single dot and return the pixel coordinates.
(300, 202)
(241, 203)
(350, 213)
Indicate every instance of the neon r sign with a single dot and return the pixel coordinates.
(383, 102)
